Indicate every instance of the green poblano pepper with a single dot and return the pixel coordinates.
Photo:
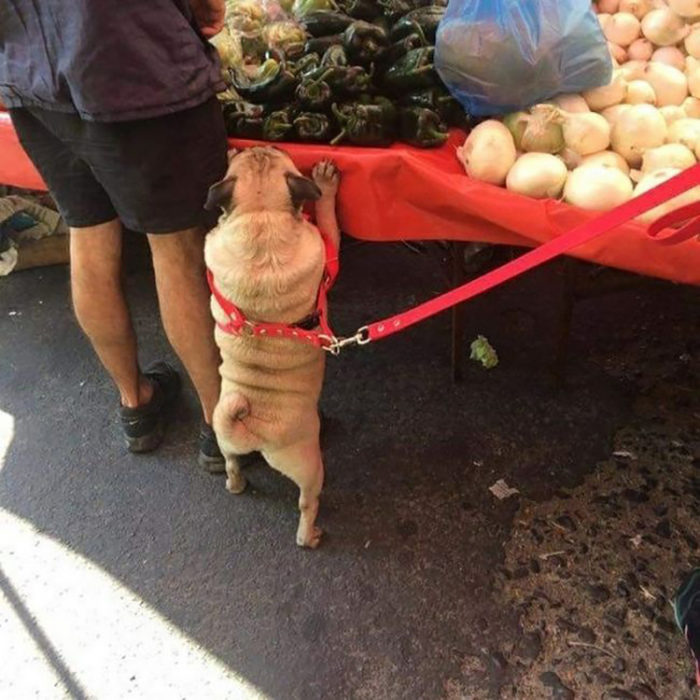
(243, 121)
(301, 8)
(400, 48)
(365, 42)
(313, 95)
(335, 56)
(389, 111)
(344, 80)
(426, 19)
(248, 87)
(421, 127)
(413, 71)
(276, 87)
(307, 64)
(440, 101)
(310, 126)
(364, 124)
(395, 9)
(325, 22)
(322, 43)
(277, 125)
(362, 9)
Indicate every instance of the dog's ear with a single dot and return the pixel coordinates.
(220, 194)
(301, 189)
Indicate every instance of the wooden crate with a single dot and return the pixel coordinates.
(52, 250)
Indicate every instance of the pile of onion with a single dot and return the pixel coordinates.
(643, 127)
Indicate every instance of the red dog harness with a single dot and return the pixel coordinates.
(304, 330)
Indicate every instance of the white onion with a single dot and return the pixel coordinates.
(608, 6)
(640, 50)
(670, 85)
(622, 29)
(608, 95)
(671, 56)
(656, 178)
(570, 158)
(571, 103)
(672, 113)
(612, 114)
(543, 131)
(633, 70)
(597, 188)
(586, 133)
(607, 159)
(603, 19)
(488, 153)
(691, 107)
(670, 155)
(618, 54)
(639, 91)
(685, 8)
(538, 175)
(692, 72)
(516, 124)
(638, 8)
(685, 131)
(664, 27)
(692, 41)
(638, 128)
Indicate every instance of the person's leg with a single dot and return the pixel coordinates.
(183, 295)
(101, 310)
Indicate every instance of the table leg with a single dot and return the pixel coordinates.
(568, 300)
(458, 276)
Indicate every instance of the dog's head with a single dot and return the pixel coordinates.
(261, 179)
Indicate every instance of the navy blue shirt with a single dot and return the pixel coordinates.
(107, 60)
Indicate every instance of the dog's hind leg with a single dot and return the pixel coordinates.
(303, 464)
(235, 481)
(232, 436)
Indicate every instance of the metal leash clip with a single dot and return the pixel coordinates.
(335, 345)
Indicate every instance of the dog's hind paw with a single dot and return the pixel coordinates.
(310, 540)
(236, 484)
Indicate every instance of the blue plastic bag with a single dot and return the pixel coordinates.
(498, 56)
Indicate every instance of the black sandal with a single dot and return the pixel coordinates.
(144, 426)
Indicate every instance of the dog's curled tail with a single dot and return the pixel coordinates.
(236, 407)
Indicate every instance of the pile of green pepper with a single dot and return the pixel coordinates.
(365, 77)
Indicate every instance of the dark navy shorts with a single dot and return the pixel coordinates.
(153, 174)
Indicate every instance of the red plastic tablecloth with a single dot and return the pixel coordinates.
(412, 194)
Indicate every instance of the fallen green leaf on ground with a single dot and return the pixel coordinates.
(482, 351)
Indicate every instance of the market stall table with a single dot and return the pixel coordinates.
(404, 193)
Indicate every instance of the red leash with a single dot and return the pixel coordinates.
(577, 236)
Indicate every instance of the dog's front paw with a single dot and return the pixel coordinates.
(310, 539)
(327, 176)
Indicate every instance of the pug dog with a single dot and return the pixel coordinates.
(268, 259)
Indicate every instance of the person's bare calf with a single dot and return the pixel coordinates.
(183, 295)
(101, 309)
